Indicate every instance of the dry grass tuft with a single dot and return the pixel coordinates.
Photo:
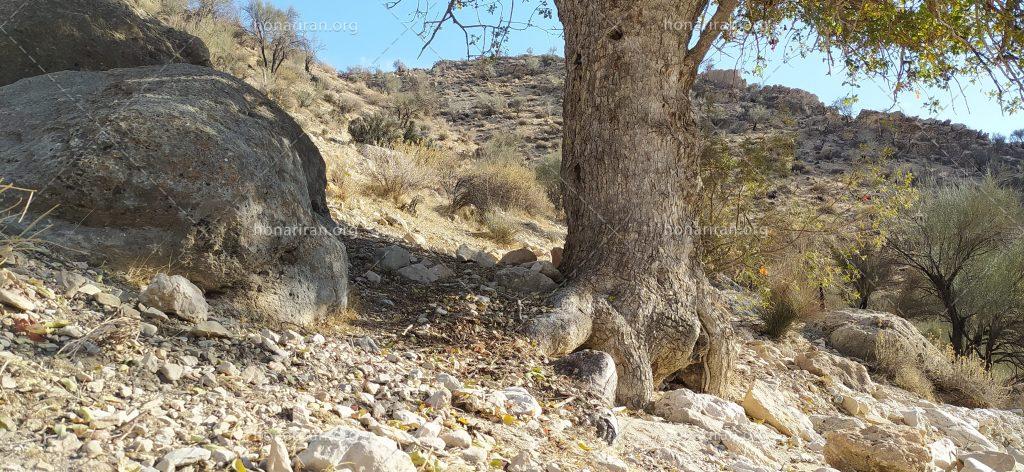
(785, 305)
(908, 374)
(392, 175)
(500, 227)
(503, 186)
(963, 381)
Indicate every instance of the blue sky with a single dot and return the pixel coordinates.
(366, 33)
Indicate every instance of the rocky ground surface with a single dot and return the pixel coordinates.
(100, 375)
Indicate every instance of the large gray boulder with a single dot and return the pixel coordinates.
(183, 169)
(45, 36)
(855, 333)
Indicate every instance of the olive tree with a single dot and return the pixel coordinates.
(631, 144)
(960, 242)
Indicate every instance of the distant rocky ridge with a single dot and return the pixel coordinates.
(826, 140)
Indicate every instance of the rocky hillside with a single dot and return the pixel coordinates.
(218, 290)
(529, 90)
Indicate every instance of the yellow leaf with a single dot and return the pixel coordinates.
(237, 465)
(584, 446)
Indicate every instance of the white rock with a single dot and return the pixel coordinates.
(611, 463)
(175, 294)
(344, 447)
(430, 429)
(943, 453)
(278, 460)
(974, 465)
(183, 456)
(521, 403)
(766, 404)
(707, 411)
(997, 461)
(440, 399)
(458, 438)
(474, 455)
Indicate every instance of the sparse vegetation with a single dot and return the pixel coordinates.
(786, 304)
(495, 185)
(500, 227)
(392, 175)
(379, 129)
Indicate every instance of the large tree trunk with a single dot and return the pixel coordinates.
(629, 171)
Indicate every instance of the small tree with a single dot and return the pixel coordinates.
(275, 33)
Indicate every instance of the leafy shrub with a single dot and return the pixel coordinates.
(501, 147)
(506, 186)
(379, 129)
(392, 174)
(346, 103)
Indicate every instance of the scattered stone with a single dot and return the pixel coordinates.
(440, 399)
(706, 411)
(372, 277)
(458, 438)
(521, 403)
(171, 372)
(997, 461)
(181, 457)
(107, 299)
(878, 448)
(418, 273)
(481, 258)
(148, 329)
(392, 258)
(277, 459)
(175, 294)
(523, 280)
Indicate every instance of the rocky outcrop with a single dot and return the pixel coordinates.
(45, 36)
(179, 166)
(771, 406)
(358, 450)
(878, 448)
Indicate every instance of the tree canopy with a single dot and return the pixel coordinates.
(946, 44)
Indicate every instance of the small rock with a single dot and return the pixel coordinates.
(277, 459)
(148, 329)
(107, 299)
(392, 258)
(440, 399)
(372, 277)
(210, 329)
(596, 369)
(344, 447)
(183, 456)
(175, 294)
(458, 438)
(518, 256)
(16, 301)
(171, 372)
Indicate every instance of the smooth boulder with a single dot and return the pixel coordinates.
(175, 294)
(345, 448)
(179, 165)
(46, 36)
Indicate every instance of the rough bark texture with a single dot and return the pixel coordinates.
(629, 174)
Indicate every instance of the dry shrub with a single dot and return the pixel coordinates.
(440, 167)
(500, 227)
(506, 186)
(491, 104)
(339, 181)
(344, 102)
(392, 174)
(908, 374)
(17, 231)
(785, 304)
(963, 381)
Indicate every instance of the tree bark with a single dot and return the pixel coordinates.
(629, 178)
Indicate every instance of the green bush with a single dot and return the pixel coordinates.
(548, 171)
